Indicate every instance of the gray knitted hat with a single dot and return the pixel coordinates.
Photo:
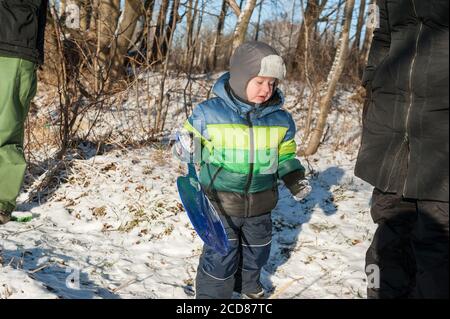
(253, 59)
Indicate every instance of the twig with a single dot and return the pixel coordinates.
(23, 231)
(10, 262)
(284, 287)
(44, 180)
(38, 269)
(125, 284)
(312, 283)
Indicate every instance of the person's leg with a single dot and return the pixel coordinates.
(215, 273)
(17, 88)
(390, 261)
(256, 243)
(430, 242)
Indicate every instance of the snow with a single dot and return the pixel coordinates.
(115, 226)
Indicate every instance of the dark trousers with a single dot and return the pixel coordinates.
(250, 240)
(408, 257)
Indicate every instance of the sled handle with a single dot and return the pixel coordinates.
(191, 169)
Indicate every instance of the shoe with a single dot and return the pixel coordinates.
(4, 217)
(256, 295)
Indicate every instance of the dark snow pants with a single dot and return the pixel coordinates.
(250, 240)
(409, 250)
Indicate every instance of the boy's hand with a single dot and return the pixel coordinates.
(305, 190)
(183, 148)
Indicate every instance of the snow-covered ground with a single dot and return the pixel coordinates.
(115, 226)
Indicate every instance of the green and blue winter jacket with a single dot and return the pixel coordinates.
(245, 150)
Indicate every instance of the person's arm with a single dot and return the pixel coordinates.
(290, 170)
(381, 43)
(42, 20)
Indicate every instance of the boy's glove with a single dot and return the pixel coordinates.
(304, 190)
(183, 148)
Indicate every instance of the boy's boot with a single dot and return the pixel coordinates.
(4, 217)
(255, 295)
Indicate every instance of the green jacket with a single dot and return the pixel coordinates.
(246, 148)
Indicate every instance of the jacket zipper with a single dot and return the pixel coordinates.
(406, 136)
(251, 164)
(411, 95)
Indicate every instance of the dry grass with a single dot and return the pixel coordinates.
(160, 155)
(359, 95)
(40, 134)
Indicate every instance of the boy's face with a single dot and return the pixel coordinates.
(260, 89)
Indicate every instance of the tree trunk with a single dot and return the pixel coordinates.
(62, 7)
(198, 56)
(338, 13)
(109, 12)
(93, 23)
(218, 35)
(359, 26)
(364, 53)
(333, 78)
(259, 20)
(235, 7)
(163, 97)
(146, 36)
(311, 16)
(85, 14)
(242, 24)
(173, 20)
(355, 58)
(291, 29)
(189, 29)
(130, 15)
(159, 32)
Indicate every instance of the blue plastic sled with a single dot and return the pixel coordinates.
(201, 212)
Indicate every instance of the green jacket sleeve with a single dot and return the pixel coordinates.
(290, 170)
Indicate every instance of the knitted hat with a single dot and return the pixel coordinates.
(253, 59)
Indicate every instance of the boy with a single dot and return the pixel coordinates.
(247, 143)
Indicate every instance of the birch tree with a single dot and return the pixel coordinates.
(170, 29)
(332, 80)
(364, 53)
(220, 24)
(159, 31)
(244, 16)
(307, 29)
(130, 15)
(355, 51)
